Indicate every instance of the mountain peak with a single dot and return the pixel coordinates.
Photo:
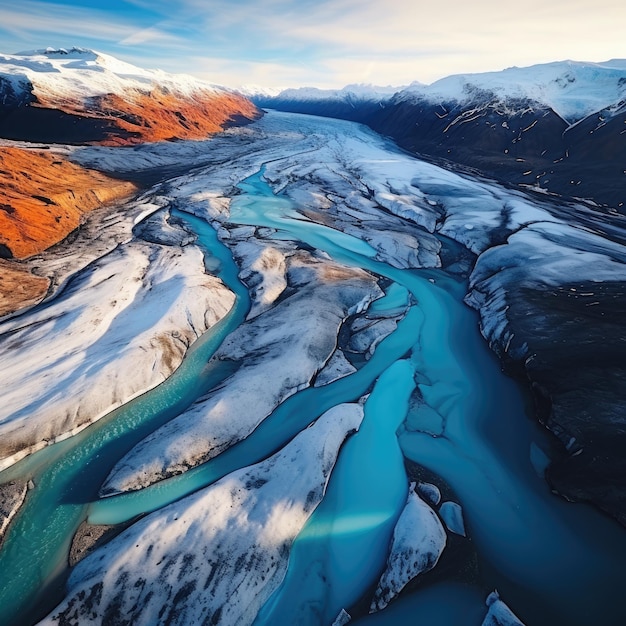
(73, 52)
(114, 100)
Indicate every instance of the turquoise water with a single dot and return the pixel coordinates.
(443, 604)
(472, 431)
(68, 475)
(343, 547)
(292, 416)
(553, 562)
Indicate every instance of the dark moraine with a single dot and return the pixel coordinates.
(578, 376)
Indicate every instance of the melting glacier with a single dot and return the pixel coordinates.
(272, 473)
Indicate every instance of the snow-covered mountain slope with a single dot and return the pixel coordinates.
(557, 127)
(80, 95)
(573, 90)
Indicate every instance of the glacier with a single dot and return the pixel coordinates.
(350, 253)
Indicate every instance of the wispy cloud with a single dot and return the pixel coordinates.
(326, 42)
(398, 41)
(34, 20)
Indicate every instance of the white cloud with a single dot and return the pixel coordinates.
(395, 42)
(331, 43)
(39, 17)
(35, 21)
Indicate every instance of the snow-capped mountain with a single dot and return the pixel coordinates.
(357, 91)
(353, 102)
(573, 90)
(79, 95)
(556, 127)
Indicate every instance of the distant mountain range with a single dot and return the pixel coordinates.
(555, 128)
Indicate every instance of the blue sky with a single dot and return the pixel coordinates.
(322, 43)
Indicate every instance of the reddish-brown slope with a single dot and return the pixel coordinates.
(43, 197)
(155, 115)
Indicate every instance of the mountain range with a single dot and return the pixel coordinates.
(555, 128)
(77, 96)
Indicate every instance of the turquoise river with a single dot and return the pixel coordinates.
(554, 562)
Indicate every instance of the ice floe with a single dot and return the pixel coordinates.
(418, 541)
(452, 514)
(499, 613)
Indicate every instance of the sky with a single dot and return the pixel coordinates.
(322, 43)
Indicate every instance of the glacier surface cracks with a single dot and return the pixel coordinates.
(276, 483)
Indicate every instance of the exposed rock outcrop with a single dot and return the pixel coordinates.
(79, 96)
(552, 305)
(12, 495)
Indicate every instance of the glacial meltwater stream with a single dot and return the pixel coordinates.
(67, 475)
(558, 562)
(553, 562)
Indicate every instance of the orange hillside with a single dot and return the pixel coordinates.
(157, 115)
(43, 196)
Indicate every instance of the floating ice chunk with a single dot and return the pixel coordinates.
(418, 541)
(430, 493)
(342, 619)
(499, 614)
(452, 515)
(538, 459)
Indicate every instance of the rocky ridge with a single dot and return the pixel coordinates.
(554, 128)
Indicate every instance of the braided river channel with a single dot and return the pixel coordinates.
(554, 562)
